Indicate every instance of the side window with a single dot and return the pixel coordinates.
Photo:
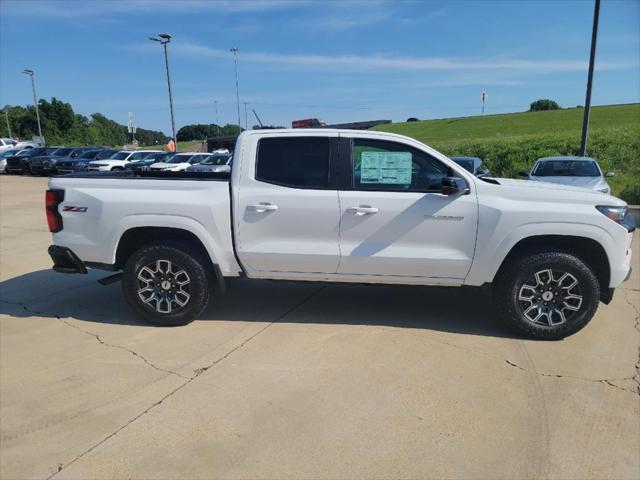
(299, 162)
(382, 165)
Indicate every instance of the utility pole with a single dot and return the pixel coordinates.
(235, 51)
(246, 121)
(483, 96)
(592, 59)
(217, 121)
(31, 73)
(163, 39)
(6, 116)
(132, 128)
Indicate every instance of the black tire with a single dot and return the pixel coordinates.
(160, 310)
(567, 310)
(117, 169)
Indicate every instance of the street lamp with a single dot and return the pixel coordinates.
(163, 39)
(234, 51)
(30, 72)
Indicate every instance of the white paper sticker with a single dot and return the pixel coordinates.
(386, 167)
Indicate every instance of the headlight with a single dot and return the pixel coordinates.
(617, 214)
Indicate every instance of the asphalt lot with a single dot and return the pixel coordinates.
(286, 380)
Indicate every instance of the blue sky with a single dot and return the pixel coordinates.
(336, 60)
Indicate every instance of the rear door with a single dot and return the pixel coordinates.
(286, 209)
(396, 222)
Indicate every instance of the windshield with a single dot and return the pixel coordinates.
(466, 164)
(119, 156)
(566, 168)
(179, 159)
(8, 153)
(90, 154)
(61, 152)
(154, 156)
(215, 160)
(104, 154)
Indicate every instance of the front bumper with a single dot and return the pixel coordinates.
(65, 261)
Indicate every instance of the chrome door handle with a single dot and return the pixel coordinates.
(262, 207)
(363, 210)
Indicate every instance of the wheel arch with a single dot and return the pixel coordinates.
(136, 237)
(590, 251)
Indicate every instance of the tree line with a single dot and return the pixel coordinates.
(62, 126)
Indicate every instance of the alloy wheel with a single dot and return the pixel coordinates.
(163, 286)
(550, 297)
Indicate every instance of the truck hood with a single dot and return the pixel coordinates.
(554, 192)
(592, 183)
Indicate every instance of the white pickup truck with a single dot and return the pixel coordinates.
(344, 206)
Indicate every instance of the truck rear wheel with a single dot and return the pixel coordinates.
(547, 295)
(165, 285)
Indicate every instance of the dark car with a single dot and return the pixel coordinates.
(81, 162)
(215, 163)
(473, 165)
(19, 162)
(48, 164)
(150, 159)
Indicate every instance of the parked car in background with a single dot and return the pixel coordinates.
(48, 164)
(19, 163)
(81, 162)
(148, 160)
(25, 144)
(117, 161)
(574, 171)
(472, 165)
(214, 163)
(7, 144)
(180, 162)
(3, 158)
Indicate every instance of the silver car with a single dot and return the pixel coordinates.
(575, 171)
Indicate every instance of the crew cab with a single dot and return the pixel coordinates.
(344, 206)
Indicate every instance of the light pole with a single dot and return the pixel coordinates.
(6, 116)
(30, 72)
(163, 39)
(234, 51)
(483, 96)
(246, 121)
(592, 59)
(217, 121)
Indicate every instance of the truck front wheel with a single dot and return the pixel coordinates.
(547, 295)
(165, 285)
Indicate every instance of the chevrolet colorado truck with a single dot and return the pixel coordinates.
(344, 206)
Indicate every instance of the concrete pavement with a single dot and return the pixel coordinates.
(299, 380)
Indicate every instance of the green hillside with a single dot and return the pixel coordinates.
(512, 142)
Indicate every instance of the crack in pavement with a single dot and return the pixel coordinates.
(605, 381)
(636, 377)
(97, 337)
(197, 372)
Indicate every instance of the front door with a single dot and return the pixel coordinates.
(396, 222)
(288, 213)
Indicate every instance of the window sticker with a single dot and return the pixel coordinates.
(391, 168)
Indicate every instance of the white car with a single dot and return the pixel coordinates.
(574, 171)
(353, 206)
(118, 160)
(180, 162)
(7, 144)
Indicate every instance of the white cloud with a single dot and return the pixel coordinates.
(387, 63)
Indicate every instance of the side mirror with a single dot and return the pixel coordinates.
(454, 186)
(610, 174)
(523, 174)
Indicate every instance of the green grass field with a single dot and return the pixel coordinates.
(512, 142)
